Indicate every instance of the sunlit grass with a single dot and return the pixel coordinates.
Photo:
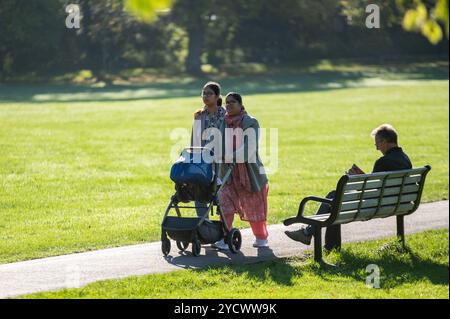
(76, 176)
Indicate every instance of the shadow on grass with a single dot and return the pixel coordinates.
(280, 81)
(397, 266)
(264, 265)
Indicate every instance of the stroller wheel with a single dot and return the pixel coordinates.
(182, 245)
(165, 247)
(196, 247)
(234, 240)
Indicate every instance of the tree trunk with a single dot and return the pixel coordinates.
(193, 61)
(92, 49)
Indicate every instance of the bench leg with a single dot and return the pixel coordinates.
(318, 244)
(401, 229)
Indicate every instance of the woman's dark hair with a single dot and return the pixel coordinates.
(236, 96)
(216, 89)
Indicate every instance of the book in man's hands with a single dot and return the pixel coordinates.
(355, 170)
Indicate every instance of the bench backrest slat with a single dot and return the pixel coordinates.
(395, 174)
(377, 183)
(375, 193)
(366, 213)
(363, 197)
(385, 200)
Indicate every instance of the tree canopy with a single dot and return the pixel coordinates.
(183, 35)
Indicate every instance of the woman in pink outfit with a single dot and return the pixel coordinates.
(246, 191)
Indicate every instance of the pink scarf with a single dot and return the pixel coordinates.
(240, 176)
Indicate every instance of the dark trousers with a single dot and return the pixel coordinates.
(332, 233)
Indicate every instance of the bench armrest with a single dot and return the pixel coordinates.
(301, 208)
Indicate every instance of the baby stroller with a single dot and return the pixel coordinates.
(196, 180)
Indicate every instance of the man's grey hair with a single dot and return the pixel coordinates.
(386, 132)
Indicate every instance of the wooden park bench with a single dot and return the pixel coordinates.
(365, 197)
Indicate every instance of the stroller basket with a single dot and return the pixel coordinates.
(181, 229)
(210, 232)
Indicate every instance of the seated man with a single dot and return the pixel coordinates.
(394, 159)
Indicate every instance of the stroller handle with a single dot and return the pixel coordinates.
(211, 152)
(227, 176)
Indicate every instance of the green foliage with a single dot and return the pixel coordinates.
(29, 33)
(147, 10)
(115, 34)
(427, 21)
(355, 12)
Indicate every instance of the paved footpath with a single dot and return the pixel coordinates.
(77, 270)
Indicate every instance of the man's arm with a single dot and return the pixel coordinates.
(380, 166)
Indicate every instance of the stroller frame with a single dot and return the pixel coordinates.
(187, 231)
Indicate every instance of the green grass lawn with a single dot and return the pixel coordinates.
(421, 271)
(87, 168)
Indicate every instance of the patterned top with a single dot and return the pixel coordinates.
(212, 120)
(203, 121)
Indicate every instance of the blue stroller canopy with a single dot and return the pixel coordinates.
(195, 166)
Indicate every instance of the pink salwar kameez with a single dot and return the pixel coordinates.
(237, 196)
